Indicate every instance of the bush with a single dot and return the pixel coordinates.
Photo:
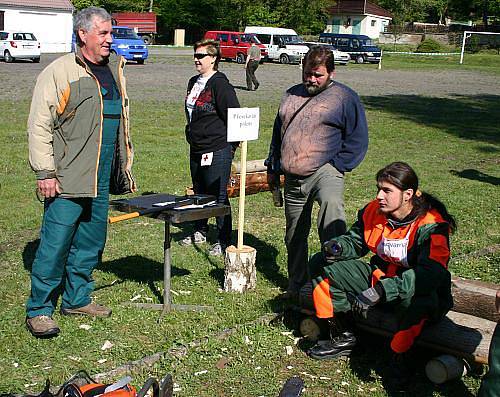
(429, 45)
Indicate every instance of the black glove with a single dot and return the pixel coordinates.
(332, 250)
(366, 299)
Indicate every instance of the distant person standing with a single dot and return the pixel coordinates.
(252, 63)
(80, 151)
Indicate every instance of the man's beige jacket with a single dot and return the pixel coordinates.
(65, 128)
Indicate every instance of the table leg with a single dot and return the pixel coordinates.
(167, 305)
(167, 270)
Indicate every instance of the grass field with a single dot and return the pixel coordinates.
(453, 143)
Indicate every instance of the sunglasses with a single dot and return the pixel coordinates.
(200, 56)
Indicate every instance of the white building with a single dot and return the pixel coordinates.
(50, 20)
(357, 17)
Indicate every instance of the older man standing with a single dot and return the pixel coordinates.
(80, 151)
(320, 133)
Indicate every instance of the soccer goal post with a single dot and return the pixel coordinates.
(467, 35)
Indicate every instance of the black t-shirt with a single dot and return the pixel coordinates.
(103, 74)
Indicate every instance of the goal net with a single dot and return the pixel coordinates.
(473, 42)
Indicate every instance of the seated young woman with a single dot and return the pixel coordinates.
(408, 232)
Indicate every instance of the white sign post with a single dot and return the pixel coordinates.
(242, 126)
(240, 272)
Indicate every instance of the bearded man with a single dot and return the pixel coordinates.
(319, 134)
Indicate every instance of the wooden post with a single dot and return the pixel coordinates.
(241, 207)
(240, 272)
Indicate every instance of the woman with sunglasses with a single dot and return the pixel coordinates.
(209, 95)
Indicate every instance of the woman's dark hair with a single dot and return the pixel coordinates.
(213, 49)
(318, 56)
(404, 177)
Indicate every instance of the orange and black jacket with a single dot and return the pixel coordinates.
(427, 256)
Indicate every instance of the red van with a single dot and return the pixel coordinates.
(235, 45)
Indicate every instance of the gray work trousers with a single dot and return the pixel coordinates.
(326, 187)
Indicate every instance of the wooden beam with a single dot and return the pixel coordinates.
(459, 334)
(465, 332)
(476, 298)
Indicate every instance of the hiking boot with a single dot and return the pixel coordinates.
(91, 310)
(42, 326)
(216, 250)
(341, 345)
(195, 238)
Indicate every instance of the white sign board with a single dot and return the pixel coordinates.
(242, 124)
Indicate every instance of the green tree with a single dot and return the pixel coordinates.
(114, 5)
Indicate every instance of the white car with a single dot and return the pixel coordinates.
(340, 57)
(19, 45)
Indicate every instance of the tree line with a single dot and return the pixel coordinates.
(308, 17)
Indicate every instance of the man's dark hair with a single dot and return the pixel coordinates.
(317, 56)
(402, 176)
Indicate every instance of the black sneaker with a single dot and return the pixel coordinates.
(339, 346)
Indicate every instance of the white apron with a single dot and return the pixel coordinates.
(395, 250)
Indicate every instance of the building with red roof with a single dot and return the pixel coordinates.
(358, 17)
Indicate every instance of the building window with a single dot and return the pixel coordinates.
(374, 22)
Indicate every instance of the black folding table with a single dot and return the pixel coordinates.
(169, 216)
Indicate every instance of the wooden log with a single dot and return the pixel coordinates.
(240, 274)
(460, 334)
(256, 182)
(472, 297)
(476, 298)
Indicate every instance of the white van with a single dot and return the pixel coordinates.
(282, 44)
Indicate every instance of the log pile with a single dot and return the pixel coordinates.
(256, 179)
(465, 332)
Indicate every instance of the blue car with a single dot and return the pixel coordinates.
(128, 44)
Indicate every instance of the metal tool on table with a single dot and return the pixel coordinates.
(163, 203)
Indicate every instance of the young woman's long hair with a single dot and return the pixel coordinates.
(402, 176)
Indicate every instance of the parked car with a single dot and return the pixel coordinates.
(283, 45)
(128, 44)
(360, 47)
(340, 57)
(19, 45)
(235, 45)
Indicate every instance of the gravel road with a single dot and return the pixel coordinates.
(164, 77)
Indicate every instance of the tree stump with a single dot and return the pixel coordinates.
(239, 273)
